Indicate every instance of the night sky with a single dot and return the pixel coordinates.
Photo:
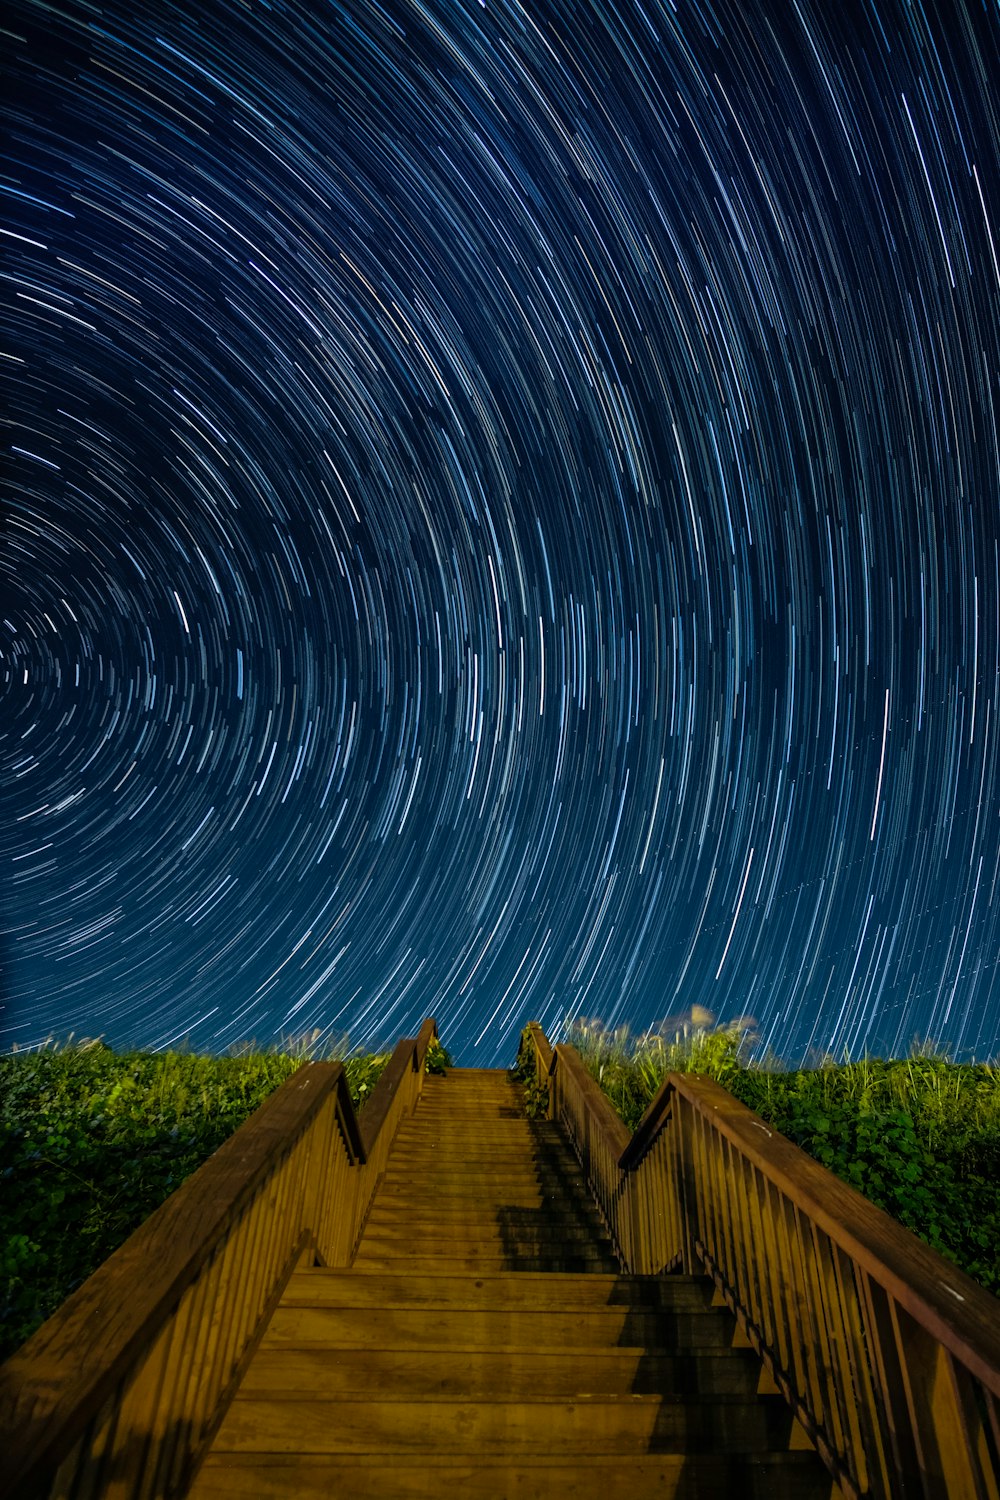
(500, 520)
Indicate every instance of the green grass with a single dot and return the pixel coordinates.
(92, 1141)
(919, 1136)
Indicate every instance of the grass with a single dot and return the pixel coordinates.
(919, 1136)
(92, 1141)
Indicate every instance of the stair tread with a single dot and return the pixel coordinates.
(485, 1227)
(474, 1373)
(623, 1352)
(511, 1288)
(561, 1266)
(499, 1425)
(328, 1327)
(362, 1476)
(647, 1401)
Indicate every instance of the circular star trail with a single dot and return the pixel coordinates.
(500, 520)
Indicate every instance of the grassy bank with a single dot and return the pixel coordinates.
(92, 1141)
(919, 1136)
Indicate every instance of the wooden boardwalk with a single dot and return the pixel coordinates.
(441, 1297)
(483, 1342)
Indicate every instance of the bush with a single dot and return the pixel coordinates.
(92, 1141)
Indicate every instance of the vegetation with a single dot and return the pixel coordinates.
(92, 1141)
(919, 1136)
(536, 1092)
(437, 1058)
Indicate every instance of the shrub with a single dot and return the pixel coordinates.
(92, 1141)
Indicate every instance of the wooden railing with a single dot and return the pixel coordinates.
(889, 1355)
(121, 1391)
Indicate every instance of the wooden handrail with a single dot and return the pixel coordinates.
(605, 1118)
(888, 1354)
(949, 1304)
(124, 1385)
(379, 1103)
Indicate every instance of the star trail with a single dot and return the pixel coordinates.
(500, 520)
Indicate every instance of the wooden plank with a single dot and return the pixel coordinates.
(783, 1476)
(482, 1264)
(449, 1369)
(297, 1327)
(596, 1424)
(507, 1289)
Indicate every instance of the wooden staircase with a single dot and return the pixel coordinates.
(483, 1344)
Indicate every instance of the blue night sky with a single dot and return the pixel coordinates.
(500, 515)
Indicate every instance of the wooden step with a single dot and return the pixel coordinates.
(470, 1247)
(512, 1154)
(481, 1175)
(349, 1288)
(415, 1209)
(547, 1187)
(510, 1254)
(457, 1371)
(450, 1265)
(491, 1226)
(512, 1160)
(498, 1187)
(500, 1427)
(376, 1476)
(455, 1203)
(515, 1209)
(485, 1263)
(406, 1327)
(465, 1234)
(487, 1122)
(498, 1226)
(416, 1206)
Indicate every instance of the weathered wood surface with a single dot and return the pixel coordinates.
(401, 1288)
(583, 1426)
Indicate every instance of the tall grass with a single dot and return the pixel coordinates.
(631, 1068)
(919, 1136)
(92, 1141)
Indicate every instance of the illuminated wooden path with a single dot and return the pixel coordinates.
(482, 1344)
(443, 1297)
